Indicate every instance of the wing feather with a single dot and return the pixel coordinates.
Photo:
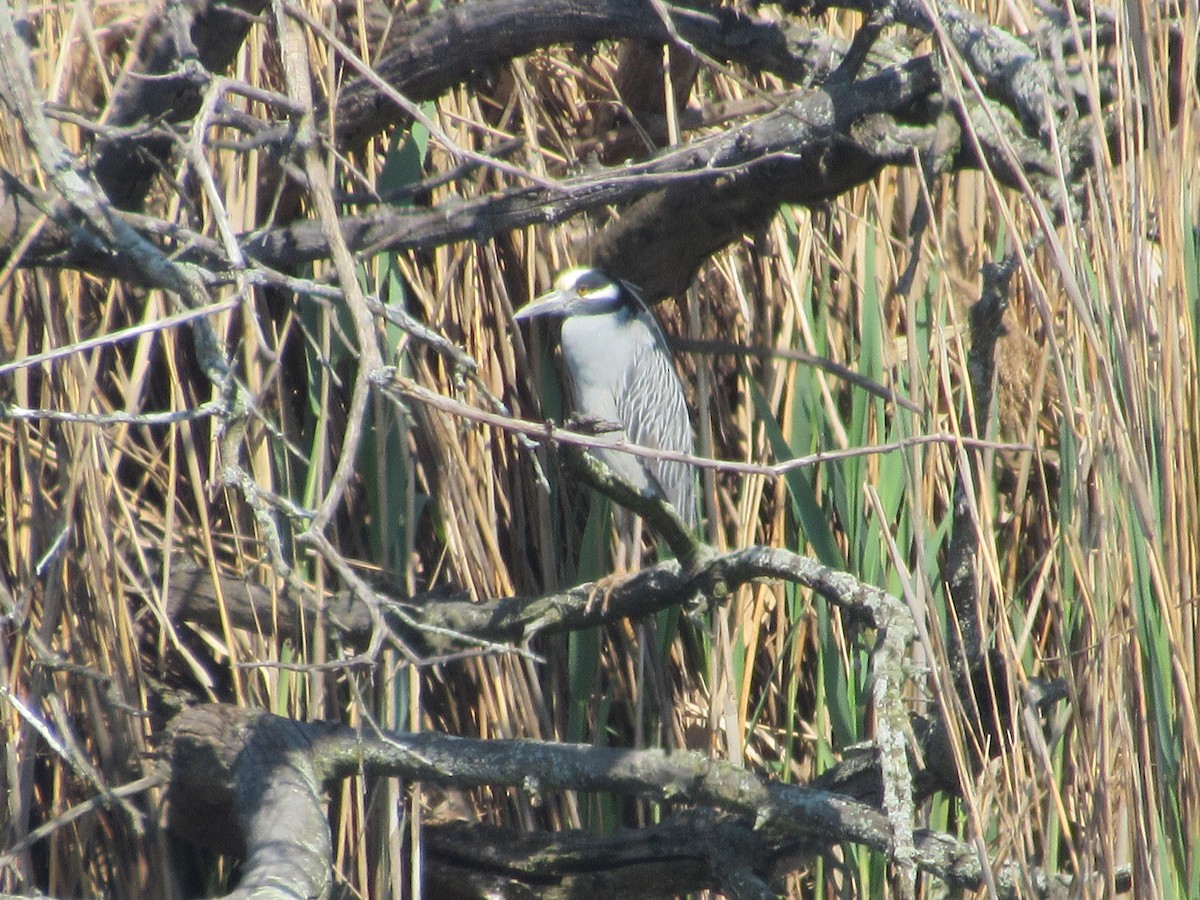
(651, 405)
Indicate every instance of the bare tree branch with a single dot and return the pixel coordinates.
(448, 46)
(208, 746)
(179, 44)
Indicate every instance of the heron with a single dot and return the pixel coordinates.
(620, 371)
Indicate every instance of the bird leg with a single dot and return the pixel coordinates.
(627, 554)
(601, 591)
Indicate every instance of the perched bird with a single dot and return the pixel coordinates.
(620, 371)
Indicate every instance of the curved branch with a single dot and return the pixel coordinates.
(799, 133)
(246, 784)
(210, 745)
(192, 598)
(161, 82)
(1008, 69)
(448, 46)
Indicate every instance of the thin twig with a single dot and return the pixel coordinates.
(186, 317)
(133, 788)
(730, 348)
(411, 109)
(403, 389)
(203, 411)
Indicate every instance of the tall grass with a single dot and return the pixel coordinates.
(1088, 551)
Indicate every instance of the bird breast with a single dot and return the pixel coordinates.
(621, 371)
(599, 351)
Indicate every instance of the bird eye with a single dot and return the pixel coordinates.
(592, 283)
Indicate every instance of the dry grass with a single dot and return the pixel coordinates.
(1088, 564)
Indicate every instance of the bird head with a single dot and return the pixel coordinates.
(581, 291)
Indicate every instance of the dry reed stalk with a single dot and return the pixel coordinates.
(1102, 349)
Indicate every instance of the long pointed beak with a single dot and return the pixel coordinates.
(554, 303)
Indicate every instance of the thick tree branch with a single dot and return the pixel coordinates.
(689, 851)
(208, 745)
(1008, 69)
(450, 45)
(161, 82)
(517, 619)
(801, 132)
(246, 784)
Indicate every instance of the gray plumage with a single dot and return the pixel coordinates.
(621, 371)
